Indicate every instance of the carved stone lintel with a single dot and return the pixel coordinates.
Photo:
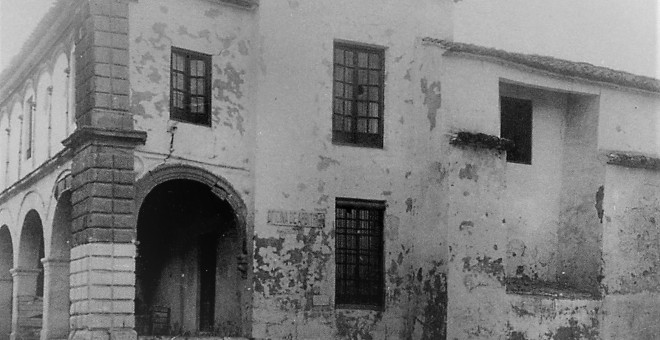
(481, 140)
(631, 160)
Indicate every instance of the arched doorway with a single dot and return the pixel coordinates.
(56, 273)
(188, 270)
(6, 282)
(29, 278)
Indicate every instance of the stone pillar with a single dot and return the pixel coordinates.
(103, 217)
(6, 293)
(476, 292)
(56, 299)
(631, 251)
(25, 285)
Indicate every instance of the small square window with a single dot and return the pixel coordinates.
(359, 278)
(190, 87)
(357, 116)
(516, 125)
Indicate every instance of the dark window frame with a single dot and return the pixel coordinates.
(516, 124)
(351, 91)
(185, 114)
(370, 277)
(30, 113)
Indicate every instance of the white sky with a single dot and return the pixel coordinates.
(621, 34)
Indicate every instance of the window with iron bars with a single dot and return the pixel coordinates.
(359, 278)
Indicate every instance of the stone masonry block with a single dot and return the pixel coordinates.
(123, 265)
(97, 204)
(120, 86)
(101, 23)
(125, 250)
(123, 191)
(123, 292)
(123, 321)
(119, 25)
(124, 161)
(101, 278)
(120, 102)
(124, 221)
(100, 306)
(103, 39)
(101, 263)
(119, 56)
(124, 177)
(102, 84)
(103, 70)
(123, 206)
(98, 220)
(124, 236)
(100, 292)
(100, 190)
(123, 306)
(120, 9)
(124, 278)
(91, 235)
(103, 55)
(119, 71)
(103, 100)
(119, 41)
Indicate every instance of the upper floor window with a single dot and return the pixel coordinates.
(359, 253)
(30, 106)
(357, 115)
(516, 125)
(190, 90)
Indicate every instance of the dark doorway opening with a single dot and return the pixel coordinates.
(187, 278)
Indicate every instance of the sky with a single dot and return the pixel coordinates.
(623, 35)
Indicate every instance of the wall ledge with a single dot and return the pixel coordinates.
(480, 140)
(632, 160)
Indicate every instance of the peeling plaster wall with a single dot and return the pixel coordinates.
(224, 32)
(298, 168)
(534, 317)
(631, 253)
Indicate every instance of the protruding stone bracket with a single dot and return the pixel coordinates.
(62, 185)
(632, 160)
(122, 138)
(481, 141)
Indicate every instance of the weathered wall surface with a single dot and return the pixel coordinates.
(298, 168)
(533, 191)
(631, 254)
(224, 32)
(536, 317)
(580, 230)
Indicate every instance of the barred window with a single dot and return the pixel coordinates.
(516, 125)
(357, 117)
(359, 253)
(190, 90)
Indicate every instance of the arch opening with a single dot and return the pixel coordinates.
(6, 282)
(29, 278)
(56, 273)
(187, 277)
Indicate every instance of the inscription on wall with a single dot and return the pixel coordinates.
(288, 218)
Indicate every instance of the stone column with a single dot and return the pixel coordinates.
(631, 251)
(103, 217)
(6, 293)
(476, 292)
(56, 299)
(25, 285)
